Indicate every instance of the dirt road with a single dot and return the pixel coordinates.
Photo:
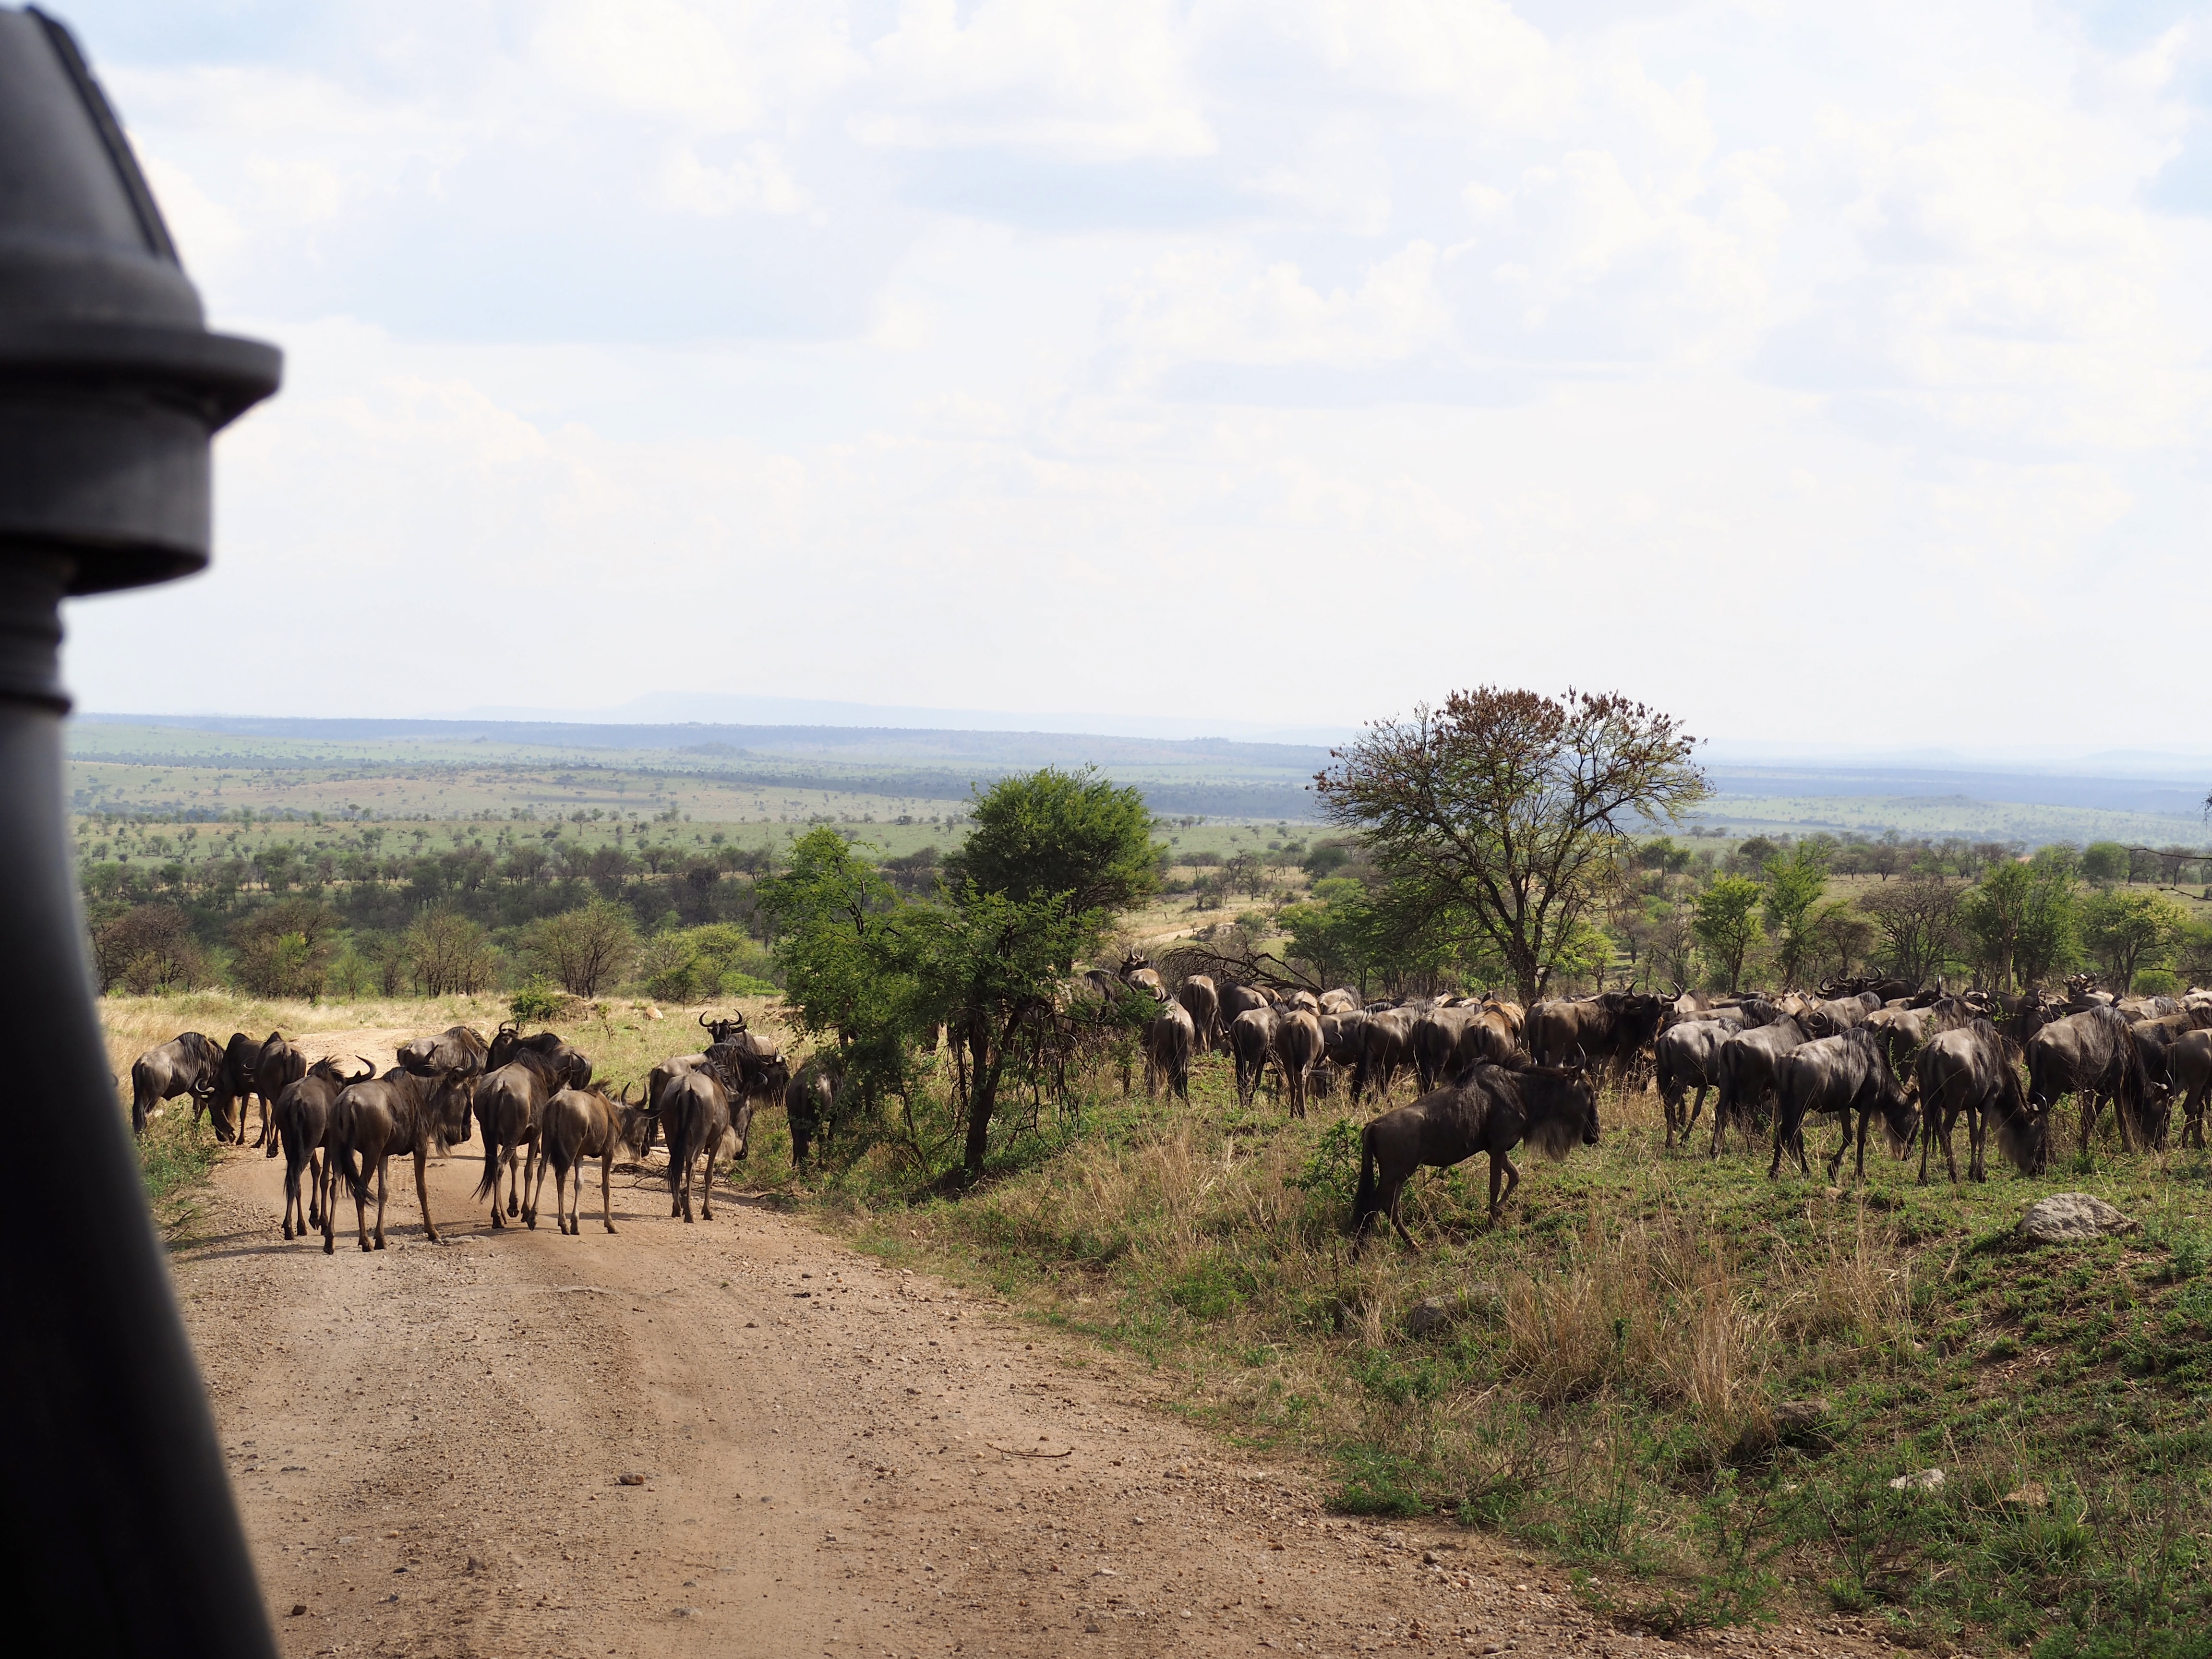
(737, 1437)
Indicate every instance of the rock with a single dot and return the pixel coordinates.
(1436, 1312)
(1924, 1480)
(629, 1479)
(1800, 1421)
(2030, 1495)
(2066, 1218)
(298, 1608)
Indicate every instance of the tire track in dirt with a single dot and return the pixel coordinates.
(428, 1444)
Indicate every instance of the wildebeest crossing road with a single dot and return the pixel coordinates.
(742, 1438)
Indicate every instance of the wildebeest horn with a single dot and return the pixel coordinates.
(366, 1075)
(1580, 1060)
(702, 1019)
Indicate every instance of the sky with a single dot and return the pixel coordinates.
(1820, 373)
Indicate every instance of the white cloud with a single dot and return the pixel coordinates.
(1063, 349)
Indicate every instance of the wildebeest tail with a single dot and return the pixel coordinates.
(1363, 1204)
(677, 1126)
(353, 1172)
(491, 1164)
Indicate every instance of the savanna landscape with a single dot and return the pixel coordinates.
(1659, 1396)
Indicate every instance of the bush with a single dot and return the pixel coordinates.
(537, 1004)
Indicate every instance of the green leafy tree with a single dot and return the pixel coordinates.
(1728, 924)
(2104, 862)
(586, 950)
(2128, 932)
(2021, 919)
(1503, 812)
(1794, 886)
(450, 954)
(1076, 836)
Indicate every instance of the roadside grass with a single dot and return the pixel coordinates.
(1692, 1384)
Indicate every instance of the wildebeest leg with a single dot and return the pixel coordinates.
(1722, 1105)
(534, 1178)
(382, 1193)
(1975, 1171)
(359, 1211)
(606, 1175)
(1390, 1209)
(1866, 1122)
(707, 1187)
(1781, 1135)
(1512, 1180)
(422, 1193)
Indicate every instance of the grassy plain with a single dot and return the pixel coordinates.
(1619, 1381)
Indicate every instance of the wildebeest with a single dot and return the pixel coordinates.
(371, 1120)
(1386, 1046)
(187, 1064)
(1486, 1109)
(1238, 1000)
(580, 1124)
(1341, 1001)
(1202, 1002)
(297, 1124)
(810, 1102)
(1169, 1039)
(1748, 1063)
(1343, 1039)
(1139, 972)
(1687, 1056)
(1297, 1046)
(1969, 1069)
(2188, 1069)
(2092, 1054)
(1436, 1044)
(722, 1030)
(746, 1064)
(568, 1067)
(509, 1102)
(1611, 1028)
(234, 1083)
(695, 1112)
(458, 1049)
(1837, 1076)
(1251, 1040)
(1837, 1014)
(274, 1066)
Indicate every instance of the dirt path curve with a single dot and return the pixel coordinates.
(429, 1446)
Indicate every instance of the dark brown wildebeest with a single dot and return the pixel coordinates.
(1343, 1039)
(810, 1103)
(1202, 1002)
(457, 1049)
(1748, 1063)
(744, 1063)
(1386, 1041)
(1486, 1109)
(722, 1030)
(1169, 1039)
(695, 1114)
(370, 1121)
(582, 1123)
(1435, 1038)
(296, 1126)
(1240, 999)
(226, 1102)
(1611, 1028)
(1837, 1076)
(2188, 1069)
(509, 1102)
(1251, 1041)
(568, 1067)
(1969, 1068)
(1139, 972)
(187, 1064)
(2092, 1054)
(1687, 1055)
(274, 1067)
(1298, 1047)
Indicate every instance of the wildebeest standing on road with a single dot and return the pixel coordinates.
(509, 1102)
(457, 1049)
(580, 1124)
(297, 1124)
(188, 1063)
(399, 1112)
(1836, 1077)
(275, 1066)
(695, 1112)
(1486, 1109)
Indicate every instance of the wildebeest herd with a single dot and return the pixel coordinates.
(534, 1100)
(1491, 1074)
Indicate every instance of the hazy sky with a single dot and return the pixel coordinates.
(1817, 371)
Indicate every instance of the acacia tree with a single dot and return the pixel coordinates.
(1727, 923)
(1919, 919)
(1794, 886)
(1504, 812)
(586, 949)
